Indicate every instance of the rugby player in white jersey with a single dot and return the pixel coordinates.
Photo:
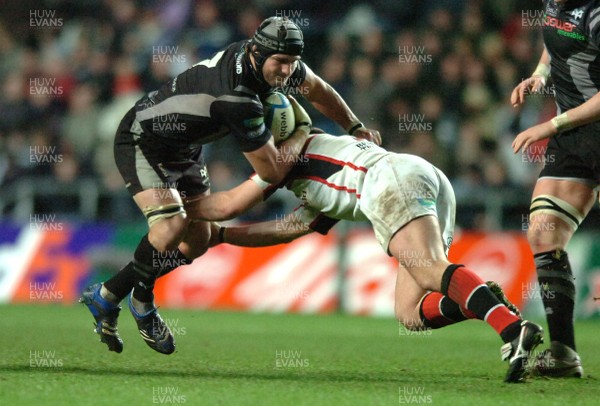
(410, 204)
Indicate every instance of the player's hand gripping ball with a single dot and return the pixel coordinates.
(279, 116)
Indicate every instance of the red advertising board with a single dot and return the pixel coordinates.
(312, 274)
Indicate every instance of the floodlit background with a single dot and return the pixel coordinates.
(434, 79)
(273, 325)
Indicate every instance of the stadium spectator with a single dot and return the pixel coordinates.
(93, 38)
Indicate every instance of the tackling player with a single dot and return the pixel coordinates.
(568, 187)
(158, 150)
(410, 204)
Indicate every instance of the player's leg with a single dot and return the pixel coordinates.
(434, 309)
(417, 308)
(151, 185)
(408, 295)
(557, 209)
(155, 254)
(400, 197)
(434, 272)
(157, 249)
(195, 242)
(422, 239)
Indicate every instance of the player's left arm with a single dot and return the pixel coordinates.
(226, 205)
(262, 234)
(585, 113)
(304, 220)
(331, 104)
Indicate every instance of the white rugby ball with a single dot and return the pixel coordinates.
(279, 116)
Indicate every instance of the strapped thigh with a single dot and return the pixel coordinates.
(155, 214)
(548, 204)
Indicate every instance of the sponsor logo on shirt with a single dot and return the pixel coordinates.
(564, 28)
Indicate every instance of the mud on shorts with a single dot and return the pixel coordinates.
(148, 162)
(400, 188)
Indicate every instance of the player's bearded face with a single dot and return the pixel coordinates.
(278, 68)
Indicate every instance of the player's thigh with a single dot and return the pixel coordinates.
(164, 211)
(580, 195)
(558, 207)
(419, 248)
(408, 294)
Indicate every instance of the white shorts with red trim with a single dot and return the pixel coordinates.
(400, 188)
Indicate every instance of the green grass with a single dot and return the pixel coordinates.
(227, 358)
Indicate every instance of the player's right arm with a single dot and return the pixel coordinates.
(285, 153)
(245, 118)
(534, 83)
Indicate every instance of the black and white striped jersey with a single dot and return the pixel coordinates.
(572, 39)
(214, 97)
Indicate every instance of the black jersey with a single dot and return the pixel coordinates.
(572, 39)
(214, 97)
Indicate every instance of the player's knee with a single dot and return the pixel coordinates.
(192, 250)
(409, 319)
(168, 233)
(429, 275)
(197, 239)
(545, 233)
(552, 222)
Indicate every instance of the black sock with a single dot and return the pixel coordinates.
(121, 284)
(558, 294)
(146, 273)
(149, 264)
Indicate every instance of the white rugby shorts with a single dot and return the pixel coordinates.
(400, 188)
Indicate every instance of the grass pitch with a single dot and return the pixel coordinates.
(49, 356)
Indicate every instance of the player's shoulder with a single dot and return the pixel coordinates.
(222, 58)
(217, 68)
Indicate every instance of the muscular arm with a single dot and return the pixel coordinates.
(585, 113)
(228, 204)
(327, 100)
(266, 233)
(272, 164)
(331, 104)
(534, 83)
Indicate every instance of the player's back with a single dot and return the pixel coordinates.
(214, 97)
(330, 173)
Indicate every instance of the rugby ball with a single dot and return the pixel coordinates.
(279, 116)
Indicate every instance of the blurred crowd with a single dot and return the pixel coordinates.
(435, 79)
